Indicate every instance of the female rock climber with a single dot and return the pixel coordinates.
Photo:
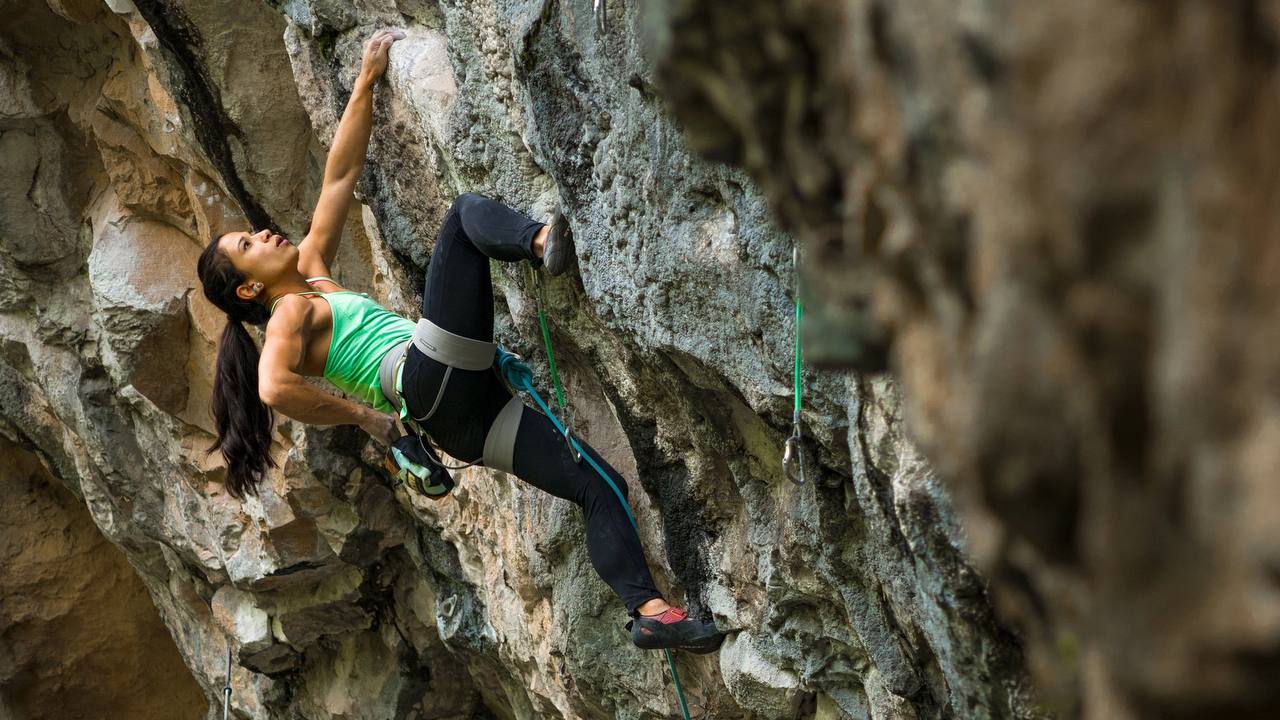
(443, 364)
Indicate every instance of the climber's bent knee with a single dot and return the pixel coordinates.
(500, 442)
(465, 200)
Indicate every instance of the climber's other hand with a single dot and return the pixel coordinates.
(381, 426)
(376, 51)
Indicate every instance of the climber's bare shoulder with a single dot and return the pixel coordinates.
(297, 337)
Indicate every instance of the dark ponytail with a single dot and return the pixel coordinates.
(243, 421)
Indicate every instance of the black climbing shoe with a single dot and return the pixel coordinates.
(559, 248)
(675, 629)
(409, 460)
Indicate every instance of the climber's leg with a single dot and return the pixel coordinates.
(459, 294)
(458, 297)
(541, 459)
(495, 229)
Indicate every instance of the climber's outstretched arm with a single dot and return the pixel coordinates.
(345, 161)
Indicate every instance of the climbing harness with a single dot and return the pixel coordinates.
(412, 459)
(226, 687)
(567, 427)
(793, 453)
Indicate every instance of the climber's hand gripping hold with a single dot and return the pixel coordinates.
(377, 50)
(381, 427)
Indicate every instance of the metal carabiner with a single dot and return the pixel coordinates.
(793, 457)
(598, 9)
(568, 437)
(226, 687)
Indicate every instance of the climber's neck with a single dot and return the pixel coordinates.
(290, 285)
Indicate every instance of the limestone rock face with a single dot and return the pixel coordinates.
(142, 129)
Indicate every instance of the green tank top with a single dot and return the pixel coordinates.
(363, 331)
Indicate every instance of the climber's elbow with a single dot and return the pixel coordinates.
(274, 392)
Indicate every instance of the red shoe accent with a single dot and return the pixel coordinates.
(669, 616)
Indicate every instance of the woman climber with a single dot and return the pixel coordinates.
(441, 367)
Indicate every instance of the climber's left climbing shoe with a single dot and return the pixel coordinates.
(559, 249)
(413, 462)
(676, 630)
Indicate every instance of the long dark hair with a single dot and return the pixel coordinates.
(243, 421)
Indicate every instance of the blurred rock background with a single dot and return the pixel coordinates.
(1055, 223)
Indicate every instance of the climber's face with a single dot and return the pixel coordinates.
(263, 257)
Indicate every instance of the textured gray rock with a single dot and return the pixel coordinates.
(848, 598)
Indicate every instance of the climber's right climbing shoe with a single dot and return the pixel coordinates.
(674, 629)
(559, 249)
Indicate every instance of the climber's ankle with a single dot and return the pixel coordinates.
(540, 241)
(655, 606)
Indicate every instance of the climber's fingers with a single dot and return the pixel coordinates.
(377, 49)
(381, 35)
(377, 43)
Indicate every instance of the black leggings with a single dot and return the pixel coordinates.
(459, 298)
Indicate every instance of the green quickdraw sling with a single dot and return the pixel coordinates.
(793, 452)
(567, 428)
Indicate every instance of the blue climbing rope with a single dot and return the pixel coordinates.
(521, 378)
